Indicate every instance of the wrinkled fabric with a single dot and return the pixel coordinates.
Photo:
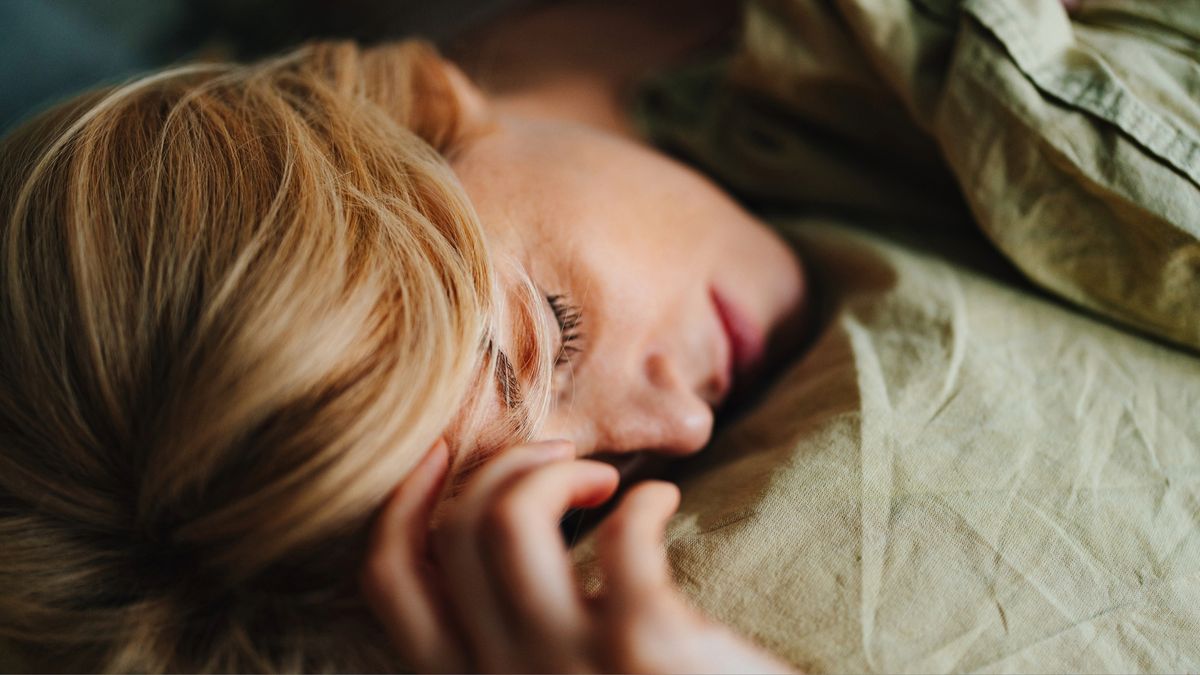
(975, 467)
(1075, 143)
(957, 476)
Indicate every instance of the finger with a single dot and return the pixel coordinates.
(396, 580)
(633, 557)
(457, 549)
(527, 556)
(507, 466)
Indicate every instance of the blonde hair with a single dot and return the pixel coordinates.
(237, 303)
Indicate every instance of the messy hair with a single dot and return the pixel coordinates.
(237, 303)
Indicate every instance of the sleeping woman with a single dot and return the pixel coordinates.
(248, 308)
(305, 360)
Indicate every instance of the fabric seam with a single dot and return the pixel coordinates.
(1104, 98)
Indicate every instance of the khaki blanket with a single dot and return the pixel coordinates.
(1074, 143)
(974, 467)
(962, 474)
(957, 476)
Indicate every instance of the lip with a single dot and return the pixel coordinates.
(747, 340)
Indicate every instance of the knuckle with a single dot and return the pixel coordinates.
(638, 640)
(628, 647)
(449, 533)
(608, 535)
(614, 529)
(503, 519)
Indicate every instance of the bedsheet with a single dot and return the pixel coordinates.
(958, 476)
(1071, 142)
(976, 466)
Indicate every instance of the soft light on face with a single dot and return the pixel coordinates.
(682, 297)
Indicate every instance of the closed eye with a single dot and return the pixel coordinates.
(569, 318)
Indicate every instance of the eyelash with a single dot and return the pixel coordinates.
(569, 317)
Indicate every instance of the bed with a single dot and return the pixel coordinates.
(988, 460)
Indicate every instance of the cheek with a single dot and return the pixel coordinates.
(653, 254)
(570, 422)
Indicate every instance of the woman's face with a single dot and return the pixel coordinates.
(683, 297)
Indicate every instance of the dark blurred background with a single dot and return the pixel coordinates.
(50, 49)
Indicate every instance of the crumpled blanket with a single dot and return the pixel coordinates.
(1072, 142)
(988, 460)
(958, 476)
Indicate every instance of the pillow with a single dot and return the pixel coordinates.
(956, 476)
(1074, 141)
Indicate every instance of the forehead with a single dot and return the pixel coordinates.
(539, 199)
(544, 173)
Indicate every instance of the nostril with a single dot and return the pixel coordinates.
(673, 417)
(715, 389)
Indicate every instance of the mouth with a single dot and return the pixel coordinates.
(747, 342)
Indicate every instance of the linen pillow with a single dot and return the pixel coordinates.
(957, 476)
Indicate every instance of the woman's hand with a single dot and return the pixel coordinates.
(492, 588)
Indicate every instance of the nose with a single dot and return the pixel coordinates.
(662, 412)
